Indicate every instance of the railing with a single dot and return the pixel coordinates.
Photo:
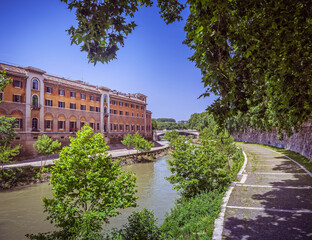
(35, 106)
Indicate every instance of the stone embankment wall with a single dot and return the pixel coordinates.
(300, 142)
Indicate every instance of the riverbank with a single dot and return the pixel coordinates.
(33, 172)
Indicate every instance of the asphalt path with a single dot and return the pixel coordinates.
(273, 201)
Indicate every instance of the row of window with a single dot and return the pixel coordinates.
(72, 94)
(113, 102)
(61, 104)
(48, 124)
(121, 113)
(121, 127)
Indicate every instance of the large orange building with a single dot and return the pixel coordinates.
(46, 104)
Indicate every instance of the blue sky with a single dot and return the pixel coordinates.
(153, 61)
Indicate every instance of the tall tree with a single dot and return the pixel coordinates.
(88, 189)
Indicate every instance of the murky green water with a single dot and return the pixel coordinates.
(21, 210)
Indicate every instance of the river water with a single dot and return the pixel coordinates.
(21, 210)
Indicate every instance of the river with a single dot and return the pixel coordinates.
(21, 210)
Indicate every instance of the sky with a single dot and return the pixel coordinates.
(153, 61)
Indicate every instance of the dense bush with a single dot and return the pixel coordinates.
(193, 218)
(211, 165)
(141, 225)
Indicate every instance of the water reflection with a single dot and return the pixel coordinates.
(21, 210)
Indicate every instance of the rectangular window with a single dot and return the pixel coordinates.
(48, 124)
(127, 127)
(48, 102)
(138, 128)
(61, 92)
(19, 123)
(142, 107)
(137, 115)
(82, 107)
(137, 106)
(91, 98)
(132, 114)
(72, 105)
(92, 125)
(91, 108)
(121, 127)
(72, 94)
(127, 113)
(97, 109)
(132, 128)
(97, 99)
(115, 127)
(116, 103)
(120, 113)
(17, 84)
(97, 126)
(120, 104)
(61, 124)
(83, 96)
(127, 104)
(61, 104)
(105, 98)
(49, 90)
(132, 106)
(142, 114)
(17, 98)
(142, 128)
(1, 96)
(110, 111)
(115, 111)
(72, 126)
(82, 124)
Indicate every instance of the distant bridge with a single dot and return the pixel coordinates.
(158, 133)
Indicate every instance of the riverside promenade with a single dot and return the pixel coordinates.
(121, 152)
(273, 200)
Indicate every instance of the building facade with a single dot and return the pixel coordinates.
(58, 107)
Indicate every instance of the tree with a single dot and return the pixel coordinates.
(45, 146)
(88, 189)
(199, 121)
(7, 134)
(211, 165)
(4, 80)
(127, 140)
(171, 135)
(140, 144)
(254, 55)
(154, 124)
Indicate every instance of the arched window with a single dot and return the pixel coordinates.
(105, 98)
(34, 124)
(35, 101)
(35, 84)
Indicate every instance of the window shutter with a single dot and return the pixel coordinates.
(13, 98)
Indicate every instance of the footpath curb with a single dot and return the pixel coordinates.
(219, 222)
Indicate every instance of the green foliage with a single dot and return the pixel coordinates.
(127, 140)
(154, 124)
(166, 120)
(7, 134)
(13, 177)
(4, 80)
(199, 121)
(104, 25)
(256, 57)
(171, 135)
(46, 146)
(170, 125)
(141, 225)
(141, 144)
(211, 165)
(88, 189)
(193, 218)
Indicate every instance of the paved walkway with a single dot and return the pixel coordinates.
(114, 153)
(273, 202)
